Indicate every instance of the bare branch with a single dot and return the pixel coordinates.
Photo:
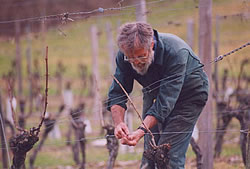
(153, 141)
(46, 92)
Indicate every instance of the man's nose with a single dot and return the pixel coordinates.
(136, 61)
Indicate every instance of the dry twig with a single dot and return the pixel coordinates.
(153, 141)
(46, 92)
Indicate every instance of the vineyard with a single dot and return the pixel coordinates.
(55, 72)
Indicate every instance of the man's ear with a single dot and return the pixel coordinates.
(152, 44)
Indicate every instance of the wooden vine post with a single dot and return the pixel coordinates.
(141, 10)
(18, 59)
(112, 142)
(193, 143)
(95, 74)
(205, 48)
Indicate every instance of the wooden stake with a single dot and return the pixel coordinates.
(95, 69)
(141, 10)
(99, 101)
(205, 48)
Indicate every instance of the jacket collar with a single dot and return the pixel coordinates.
(159, 49)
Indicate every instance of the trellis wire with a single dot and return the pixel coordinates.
(65, 16)
(144, 92)
(219, 58)
(147, 90)
(65, 119)
(222, 113)
(216, 60)
(155, 133)
(60, 122)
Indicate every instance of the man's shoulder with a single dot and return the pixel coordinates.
(173, 41)
(169, 37)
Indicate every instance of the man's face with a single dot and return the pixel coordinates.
(141, 60)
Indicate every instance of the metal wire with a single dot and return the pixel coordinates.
(155, 133)
(219, 58)
(60, 16)
(102, 10)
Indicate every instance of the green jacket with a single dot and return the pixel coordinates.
(175, 75)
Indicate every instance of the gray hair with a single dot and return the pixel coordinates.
(135, 35)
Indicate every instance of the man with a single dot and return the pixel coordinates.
(175, 89)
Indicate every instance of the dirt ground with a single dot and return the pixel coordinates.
(226, 163)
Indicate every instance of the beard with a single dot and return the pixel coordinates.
(142, 68)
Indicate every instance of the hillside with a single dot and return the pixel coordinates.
(166, 16)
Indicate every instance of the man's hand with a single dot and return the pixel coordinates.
(133, 138)
(121, 131)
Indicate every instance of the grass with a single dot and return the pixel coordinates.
(53, 161)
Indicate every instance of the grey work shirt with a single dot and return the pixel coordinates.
(175, 74)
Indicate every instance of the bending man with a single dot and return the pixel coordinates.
(175, 89)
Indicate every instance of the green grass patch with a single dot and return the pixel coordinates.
(52, 159)
(230, 150)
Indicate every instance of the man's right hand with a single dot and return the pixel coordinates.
(121, 131)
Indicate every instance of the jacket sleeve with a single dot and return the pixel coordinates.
(170, 86)
(116, 96)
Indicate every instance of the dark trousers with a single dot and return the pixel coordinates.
(177, 128)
